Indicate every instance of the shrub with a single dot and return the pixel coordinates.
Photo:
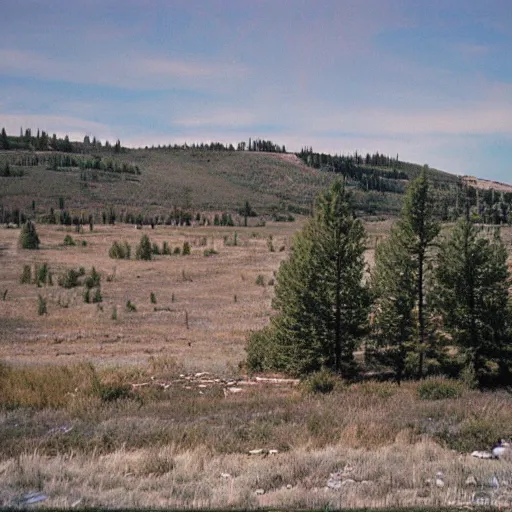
(97, 297)
(120, 251)
(474, 434)
(130, 306)
(70, 279)
(155, 249)
(41, 305)
(166, 250)
(68, 240)
(42, 275)
(439, 389)
(93, 280)
(177, 251)
(322, 381)
(114, 313)
(26, 275)
(87, 295)
(28, 236)
(114, 392)
(186, 249)
(270, 243)
(210, 252)
(260, 280)
(143, 251)
(152, 298)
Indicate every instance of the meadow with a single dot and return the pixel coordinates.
(107, 405)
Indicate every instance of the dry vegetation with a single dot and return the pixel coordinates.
(74, 426)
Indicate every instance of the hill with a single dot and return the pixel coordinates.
(85, 179)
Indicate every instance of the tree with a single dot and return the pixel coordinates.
(393, 284)
(4, 141)
(320, 297)
(28, 236)
(144, 250)
(471, 295)
(419, 230)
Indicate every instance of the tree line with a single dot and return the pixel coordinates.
(435, 302)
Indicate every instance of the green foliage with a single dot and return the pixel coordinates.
(97, 297)
(186, 249)
(143, 251)
(471, 293)
(130, 307)
(260, 280)
(87, 295)
(166, 250)
(93, 280)
(68, 240)
(114, 392)
(323, 381)
(177, 251)
(120, 251)
(41, 305)
(155, 249)
(439, 389)
(43, 275)
(152, 298)
(28, 236)
(473, 434)
(319, 294)
(26, 275)
(70, 279)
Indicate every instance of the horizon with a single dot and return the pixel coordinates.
(432, 84)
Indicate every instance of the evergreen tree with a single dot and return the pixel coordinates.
(144, 249)
(4, 141)
(471, 294)
(320, 296)
(419, 230)
(394, 288)
(28, 236)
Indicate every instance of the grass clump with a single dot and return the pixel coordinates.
(120, 251)
(43, 275)
(186, 249)
(93, 280)
(152, 298)
(260, 280)
(130, 307)
(324, 381)
(210, 252)
(41, 306)
(439, 389)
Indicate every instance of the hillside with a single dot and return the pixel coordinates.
(91, 180)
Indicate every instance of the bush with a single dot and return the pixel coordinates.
(68, 240)
(152, 298)
(439, 389)
(130, 306)
(177, 251)
(475, 434)
(260, 280)
(186, 249)
(143, 251)
(26, 275)
(70, 279)
(43, 275)
(155, 249)
(93, 280)
(28, 236)
(120, 251)
(210, 252)
(97, 297)
(166, 250)
(41, 305)
(323, 381)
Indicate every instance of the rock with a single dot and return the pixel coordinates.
(439, 483)
(273, 452)
(259, 451)
(470, 481)
(259, 492)
(234, 390)
(481, 454)
(289, 486)
(225, 475)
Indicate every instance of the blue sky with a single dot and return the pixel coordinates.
(430, 80)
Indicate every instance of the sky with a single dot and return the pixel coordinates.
(429, 80)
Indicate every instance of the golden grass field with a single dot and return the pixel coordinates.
(172, 441)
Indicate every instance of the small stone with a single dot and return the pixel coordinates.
(259, 492)
(225, 475)
(259, 451)
(273, 452)
(289, 486)
(470, 481)
(439, 483)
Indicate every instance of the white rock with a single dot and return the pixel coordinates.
(225, 475)
(259, 492)
(259, 451)
(470, 481)
(481, 454)
(439, 483)
(273, 452)
(289, 486)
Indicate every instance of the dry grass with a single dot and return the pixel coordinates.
(63, 432)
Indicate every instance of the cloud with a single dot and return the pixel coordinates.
(135, 71)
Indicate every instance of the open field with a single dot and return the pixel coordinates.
(139, 429)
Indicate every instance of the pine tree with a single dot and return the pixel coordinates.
(320, 296)
(144, 250)
(419, 228)
(4, 141)
(28, 236)
(471, 295)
